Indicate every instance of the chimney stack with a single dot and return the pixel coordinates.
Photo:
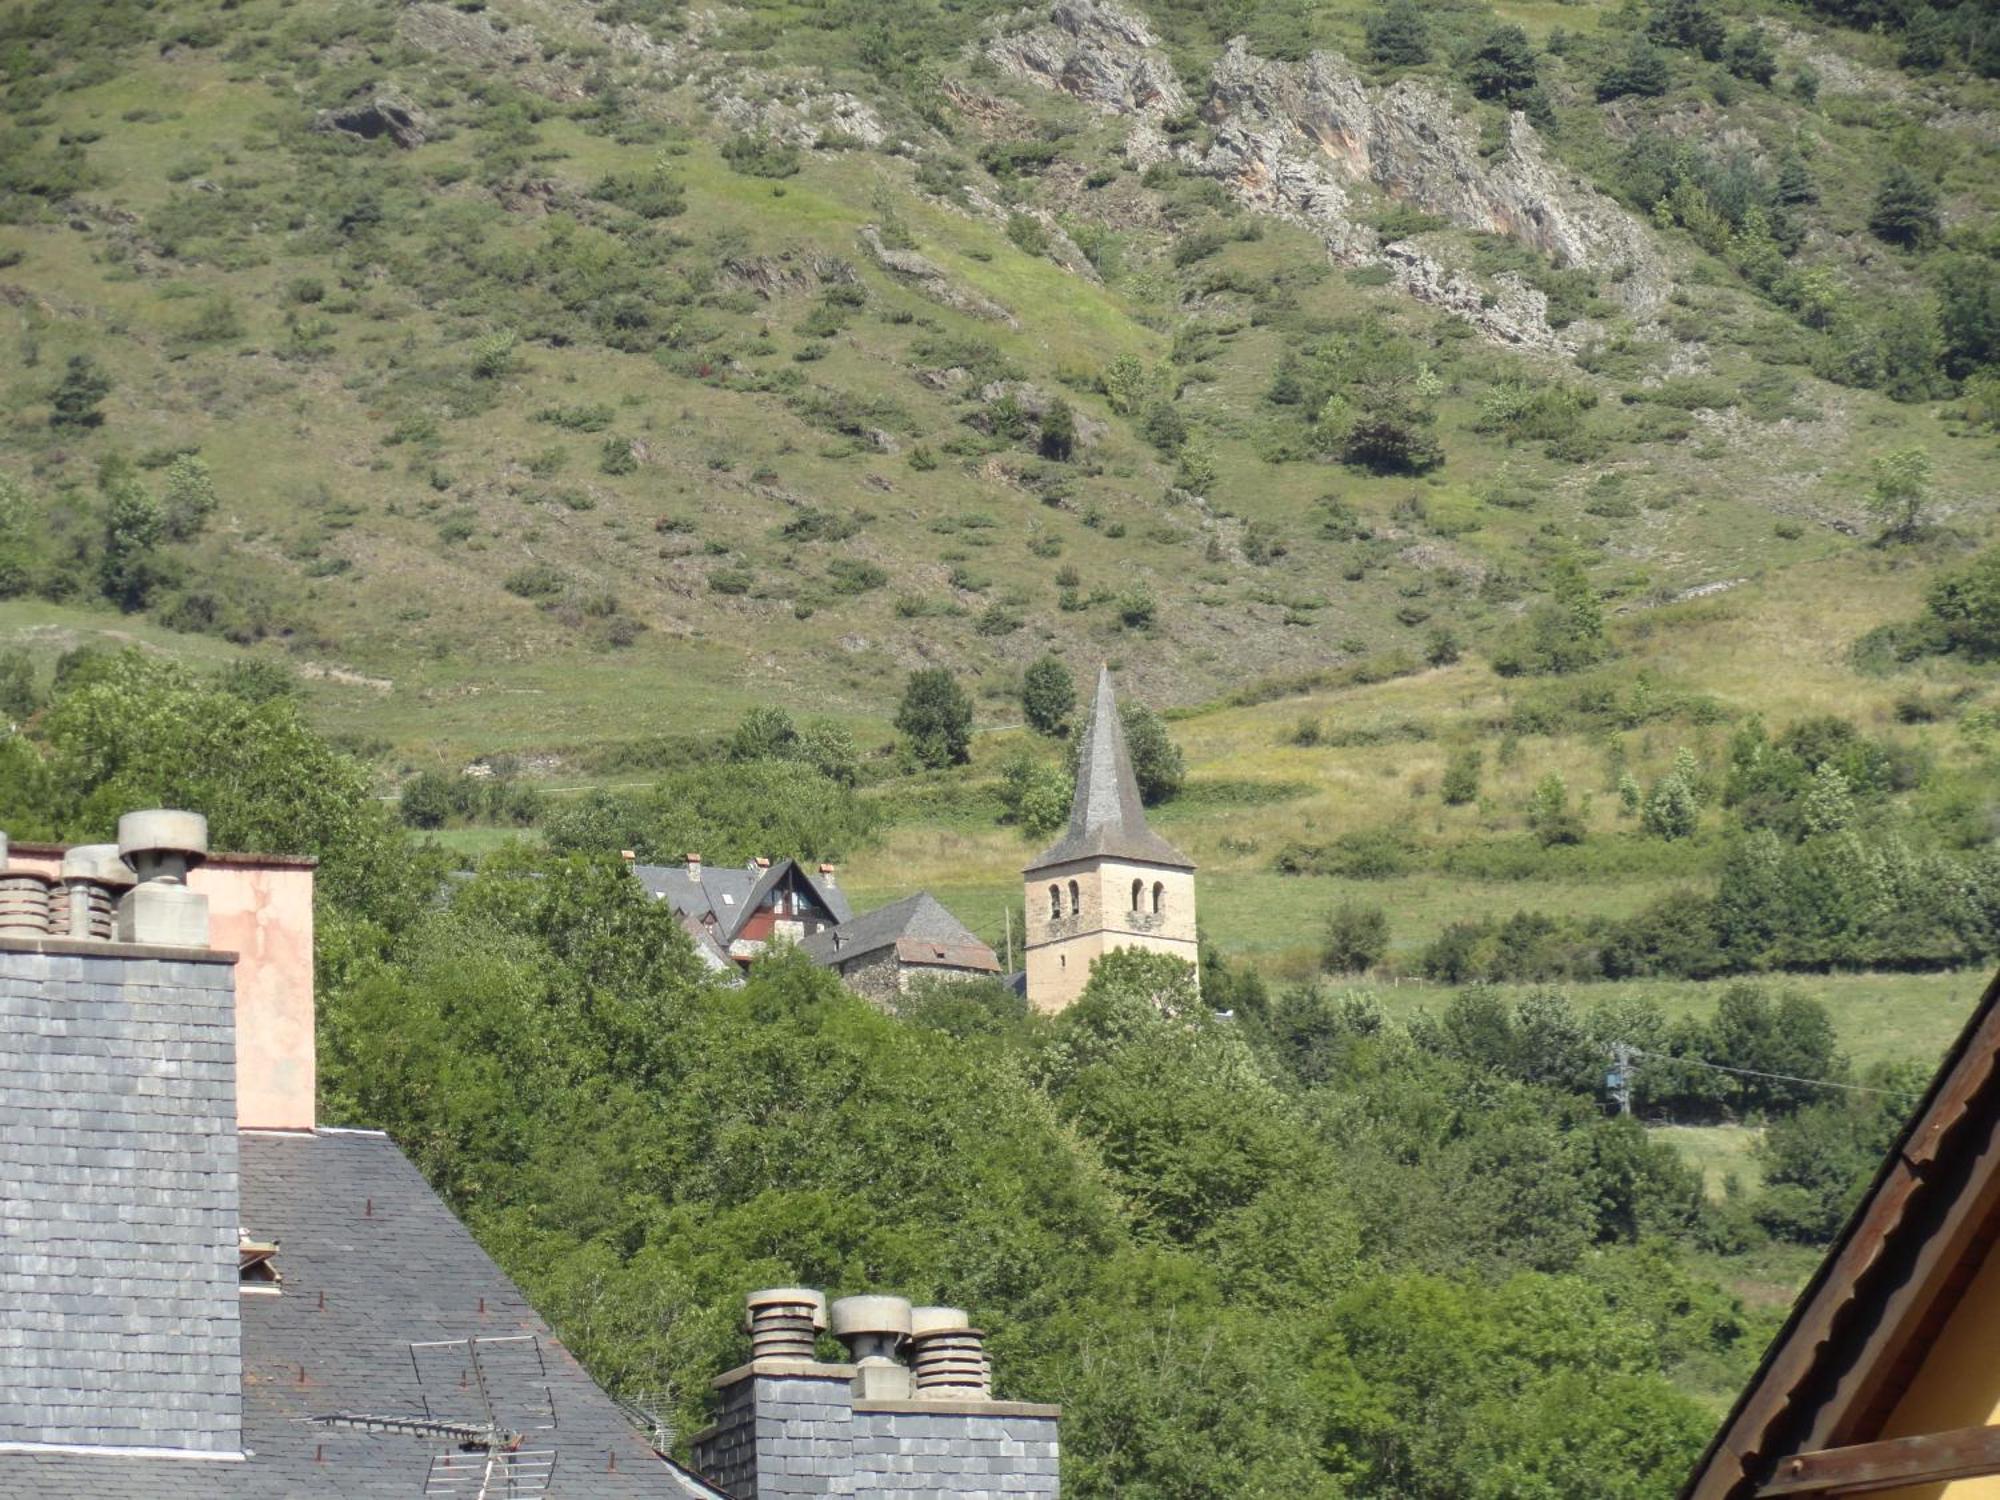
(791, 1427)
(161, 846)
(694, 866)
(784, 1322)
(93, 876)
(827, 872)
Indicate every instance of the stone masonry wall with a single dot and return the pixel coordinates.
(118, 1200)
(950, 1456)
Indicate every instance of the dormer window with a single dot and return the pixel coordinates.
(257, 1265)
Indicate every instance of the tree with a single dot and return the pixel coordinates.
(1966, 603)
(1905, 210)
(1691, 25)
(1048, 696)
(1443, 646)
(188, 498)
(1968, 289)
(18, 697)
(1829, 801)
(1750, 55)
(426, 801)
(1795, 183)
(1901, 492)
(1550, 817)
(1565, 633)
(1673, 811)
(1157, 764)
(828, 747)
(130, 568)
(75, 399)
(1642, 70)
(1354, 938)
(1397, 35)
(764, 733)
(1502, 67)
(935, 718)
(1058, 431)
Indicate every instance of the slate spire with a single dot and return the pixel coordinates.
(1106, 817)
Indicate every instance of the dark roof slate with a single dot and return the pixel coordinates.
(730, 893)
(358, 1223)
(1107, 820)
(920, 916)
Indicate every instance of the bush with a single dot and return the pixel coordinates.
(426, 800)
(75, 400)
(1353, 939)
(1550, 817)
(1461, 777)
(1966, 606)
(536, 581)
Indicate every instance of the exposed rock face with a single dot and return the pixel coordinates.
(1291, 139)
(1099, 54)
(794, 109)
(372, 119)
(929, 278)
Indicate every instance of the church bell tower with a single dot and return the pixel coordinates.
(1110, 881)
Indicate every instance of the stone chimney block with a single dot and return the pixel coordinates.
(161, 846)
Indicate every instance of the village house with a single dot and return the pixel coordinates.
(1884, 1380)
(734, 913)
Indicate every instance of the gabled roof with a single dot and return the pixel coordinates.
(372, 1261)
(1879, 1302)
(1107, 820)
(933, 934)
(729, 893)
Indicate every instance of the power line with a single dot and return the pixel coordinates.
(1822, 1083)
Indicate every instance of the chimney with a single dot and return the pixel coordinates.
(827, 872)
(694, 866)
(630, 856)
(153, 1083)
(93, 877)
(161, 846)
(792, 1427)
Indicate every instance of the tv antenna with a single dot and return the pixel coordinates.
(652, 1413)
(498, 1396)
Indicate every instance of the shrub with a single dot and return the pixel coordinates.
(1136, 607)
(1461, 776)
(536, 581)
(82, 389)
(426, 800)
(1550, 817)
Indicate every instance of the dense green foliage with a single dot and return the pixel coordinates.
(1300, 1252)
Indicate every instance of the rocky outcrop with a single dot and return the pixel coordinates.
(372, 119)
(1294, 140)
(928, 277)
(794, 109)
(1099, 54)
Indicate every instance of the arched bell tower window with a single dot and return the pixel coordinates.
(1159, 897)
(1055, 903)
(1138, 894)
(1075, 899)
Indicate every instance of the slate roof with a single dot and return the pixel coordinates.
(730, 893)
(358, 1224)
(1106, 818)
(920, 921)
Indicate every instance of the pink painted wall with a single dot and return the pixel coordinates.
(260, 909)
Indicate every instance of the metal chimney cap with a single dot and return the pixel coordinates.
(164, 831)
(100, 863)
(925, 1320)
(866, 1315)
